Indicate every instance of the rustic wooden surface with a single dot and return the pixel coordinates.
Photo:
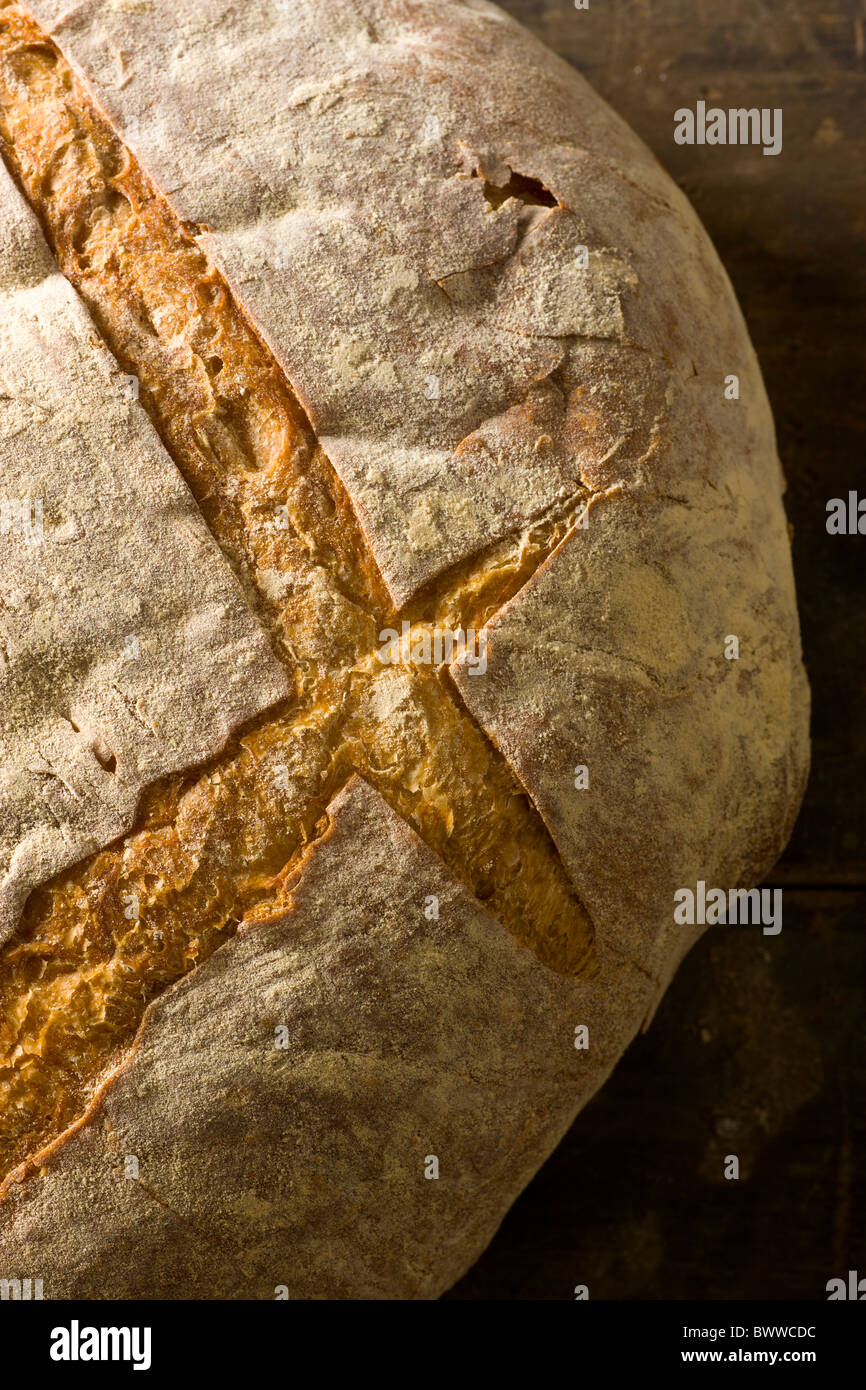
(758, 1048)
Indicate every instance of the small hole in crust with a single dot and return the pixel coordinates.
(529, 191)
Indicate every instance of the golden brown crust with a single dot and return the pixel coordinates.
(113, 551)
(213, 847)
(613, 659)
(353, 202)
(404, 1036)
(471, 378)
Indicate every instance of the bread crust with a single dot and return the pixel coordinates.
(303, 1167)
(213, 844)
(343, 164)
(121, 553)
(612, 658)
(374, 251)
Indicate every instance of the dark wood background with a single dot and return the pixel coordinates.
(758, 1048)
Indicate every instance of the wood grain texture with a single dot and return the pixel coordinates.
(756, 1048)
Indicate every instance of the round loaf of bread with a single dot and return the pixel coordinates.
(397, 633)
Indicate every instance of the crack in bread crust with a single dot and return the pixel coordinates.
(220, 844)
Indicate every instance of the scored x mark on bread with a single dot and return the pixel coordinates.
(422, 193)
(210, 849)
